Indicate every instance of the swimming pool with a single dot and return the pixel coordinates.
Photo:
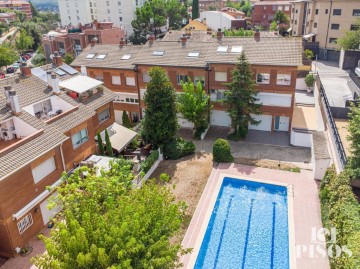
(248, 227)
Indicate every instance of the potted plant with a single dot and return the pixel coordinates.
(26, 250)
(310, 81)
(100, 89)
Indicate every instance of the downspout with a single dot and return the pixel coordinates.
(62, 157)
(136, 70)
(327, 31)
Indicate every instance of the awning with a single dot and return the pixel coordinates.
(308, 35)
(80, 84)
(289, 30)
(35, 201)
(119, 135)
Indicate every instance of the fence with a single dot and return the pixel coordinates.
(139, 179)
(335, 137)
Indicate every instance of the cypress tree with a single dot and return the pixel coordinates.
(195, 10)
(125, 120)
(241, 98)
(101, 145)
(108, 144)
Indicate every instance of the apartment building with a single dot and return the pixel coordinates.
(73, 40)
(264, 11)
(205, 5)
(49, 118)
(274, 62)
(119, 12)
(18, 5)
(324, 21)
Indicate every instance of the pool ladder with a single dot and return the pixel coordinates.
(290, 189)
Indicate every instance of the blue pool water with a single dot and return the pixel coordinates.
(248, 228)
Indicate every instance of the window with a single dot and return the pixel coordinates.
(116, 80)
(274, 8)
(332, 40)
(280, 8)
(201, 79)
(354, 27)
(158, 53)
(126, 98)
(43, 169)
(286, 8)
(335, 26)
(120, 18)
(126, 57)
(101, 56)
(292, 10)
(222, 48)
(90, 56)
(217, 95)
(337, 12)
(296, 11)
(263, 78)
(316, 11)
(104, 115)
(356, 12)
(99, 77)
(326, 11)
(79, 138)
(283, 79)
(193, 54)
(221, 76)
(131, 100)
(236, 49)
(315, 24)
(295, 21)
(181, 78)
(146, 77)
(25, 223)
(309, 10)
(130, 81)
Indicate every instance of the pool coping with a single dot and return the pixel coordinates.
(219, 178)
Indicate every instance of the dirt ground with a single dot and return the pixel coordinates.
(189, 176)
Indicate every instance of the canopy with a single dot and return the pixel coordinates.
(80, 84)
(119, 135)
(308, 35)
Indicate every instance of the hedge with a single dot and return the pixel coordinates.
(340, 209)
(149, 161)
(222, 151)
(178, 148)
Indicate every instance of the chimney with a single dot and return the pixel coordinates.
(183, 40)
(93, 41)
(55, 84)
(209, 31)
(122, 42)
(57, 60)
(7, 96)
(219, 35)
(257, 35)
(48, 78)
(14, 103)
(25, 70)
(151, 40)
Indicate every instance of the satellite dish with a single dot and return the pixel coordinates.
(52, 56)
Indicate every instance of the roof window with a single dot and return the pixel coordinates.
(193, 54)
(101, 56)
(90, 56)
(236, 49)
(126, 57)
(158, 53)
(222, 48)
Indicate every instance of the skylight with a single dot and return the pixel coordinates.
(193, 54)
(126, 57)
(236, 49)
(101, 56)
(158, 53)
(90, 56)
(222, 48)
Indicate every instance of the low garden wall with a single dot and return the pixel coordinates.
(146, 172)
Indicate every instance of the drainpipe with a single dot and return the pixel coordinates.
(327, 31)
(62, 157)
(136, 71)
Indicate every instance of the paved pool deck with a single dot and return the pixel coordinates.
(305, 213)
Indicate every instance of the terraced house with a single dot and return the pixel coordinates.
(49, 117)
(274, 61)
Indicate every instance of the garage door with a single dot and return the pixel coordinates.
(220, 118)
(265, 124)
(48, 214)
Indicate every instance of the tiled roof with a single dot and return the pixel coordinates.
(31, 90)
(320, 146)
(113, 59)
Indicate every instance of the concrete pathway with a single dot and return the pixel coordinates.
(2, 39)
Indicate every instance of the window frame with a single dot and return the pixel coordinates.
(337, 12)
(25, 223)
(181, 78)
(283, 79)
(220, 73)
(261, 83)
(83, 139)
(113, 82)
(103, 119)
(335, 26)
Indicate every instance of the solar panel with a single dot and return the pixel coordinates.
(59, 72)
(68, 69)
(40, 73)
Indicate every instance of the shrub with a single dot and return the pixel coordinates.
(309, 54)
(340, 209)
(149, 161)
(164, 177)
(178, 148)
(125, 120)
(222, 151)
(310, 80)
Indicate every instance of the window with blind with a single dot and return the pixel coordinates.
(79, 138)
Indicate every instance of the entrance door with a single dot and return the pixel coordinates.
(281, 123)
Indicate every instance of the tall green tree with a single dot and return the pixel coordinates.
(281, 17)
(160, 123)
(109, 148)
(195, 9)
(34, 11)
(351, 39)
(24, 41)
(354, 138)
(240, 98)
(125, 120)
(105, 223)
(8, 55)
(100, 144)
(68, 58)
(193, 105)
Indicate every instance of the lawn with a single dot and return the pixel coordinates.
(188, 179)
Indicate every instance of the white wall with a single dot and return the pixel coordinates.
(57, 102)
(46, 213)
(43, 169)
(220, 118)
(74, 9)
(118, 116)
(320, 167)
(300, 139)
(216, 19)
(265, 124)
(23, 129)
(274, 99)
(300, 84)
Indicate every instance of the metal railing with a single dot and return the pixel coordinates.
(334, 130)
(355, 78)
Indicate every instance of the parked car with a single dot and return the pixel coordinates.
(10, 70)
(2, 75)
(16, 65)
(25, 57)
